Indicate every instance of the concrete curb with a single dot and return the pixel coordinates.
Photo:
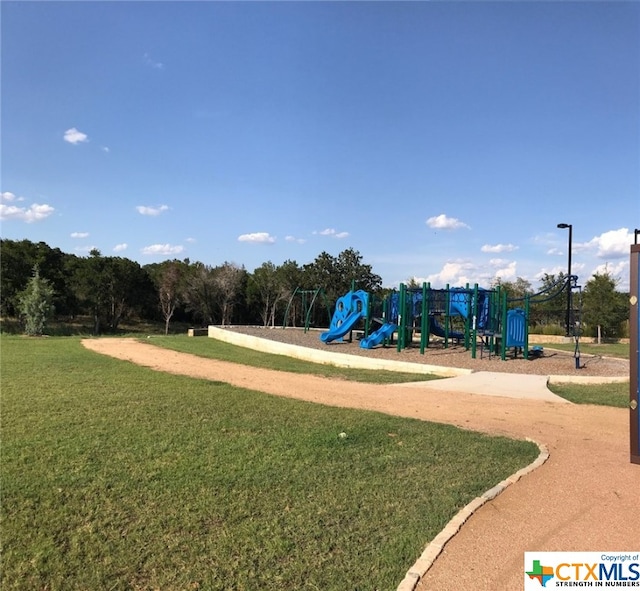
(435, 547)
(587, 379)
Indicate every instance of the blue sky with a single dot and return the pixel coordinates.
(442, 140)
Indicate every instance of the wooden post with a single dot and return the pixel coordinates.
(634, 354)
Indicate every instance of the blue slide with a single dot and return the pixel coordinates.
(438, 330)
(375, 338)
(350, 308)
(337, 332)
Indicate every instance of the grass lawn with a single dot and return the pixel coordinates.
(118, 477)
(214, 349)
(616, 394)
(605, 350)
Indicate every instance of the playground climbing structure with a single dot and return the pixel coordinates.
(479, 319)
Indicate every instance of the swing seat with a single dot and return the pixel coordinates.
(536, 351)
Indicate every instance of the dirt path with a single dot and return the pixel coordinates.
(584, 498)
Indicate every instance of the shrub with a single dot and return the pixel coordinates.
(35, 304)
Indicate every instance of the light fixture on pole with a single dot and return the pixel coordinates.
(568, 318)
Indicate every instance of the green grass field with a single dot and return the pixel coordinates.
(616, 394)
(620, 350)
(118, 477)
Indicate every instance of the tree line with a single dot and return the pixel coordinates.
(110, 289)
(38, 281)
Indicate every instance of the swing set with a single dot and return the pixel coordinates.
(304, 300)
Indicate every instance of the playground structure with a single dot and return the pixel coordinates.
(477, 318)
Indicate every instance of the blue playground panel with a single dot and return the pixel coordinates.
(516, 328)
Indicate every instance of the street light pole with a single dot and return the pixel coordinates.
(568, 319)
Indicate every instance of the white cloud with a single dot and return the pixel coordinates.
(506, 270)
(610, 245)
(79, 234)
(458, 273)
(120, 247)
(619, 272)
(73, 136)
(34, 213)
(151, 210)
(294, 239)
(105, 149)
(453, 273)
(152, 63)
(162, 249)
(190, 240)
(7, 196)
(84, 248)
(331, 232)
(257, 238)
(442, 222)
(498, 248)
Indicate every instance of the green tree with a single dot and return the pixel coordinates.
(111, 289)
(289, 279)
(200, 293)
(35, 304)
(129, 291)
(323, 272)
(548, 305)
(337, 275)
(18, 259)
(603, 308)
(352, 271)
(89, 284)
(516, 290)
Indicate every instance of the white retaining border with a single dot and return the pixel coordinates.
(435, 547)
(328, 357)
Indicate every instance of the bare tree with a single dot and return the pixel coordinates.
(170, 291)
(228, 281)
(265, 286)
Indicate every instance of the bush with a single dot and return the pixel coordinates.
(547, 329)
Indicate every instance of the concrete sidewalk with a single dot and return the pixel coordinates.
(489, 383)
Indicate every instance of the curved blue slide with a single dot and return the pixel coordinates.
(438, 330)
(350, 308)
(375, 338)
(337, 332)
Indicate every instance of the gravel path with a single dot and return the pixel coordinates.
(583, 498)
